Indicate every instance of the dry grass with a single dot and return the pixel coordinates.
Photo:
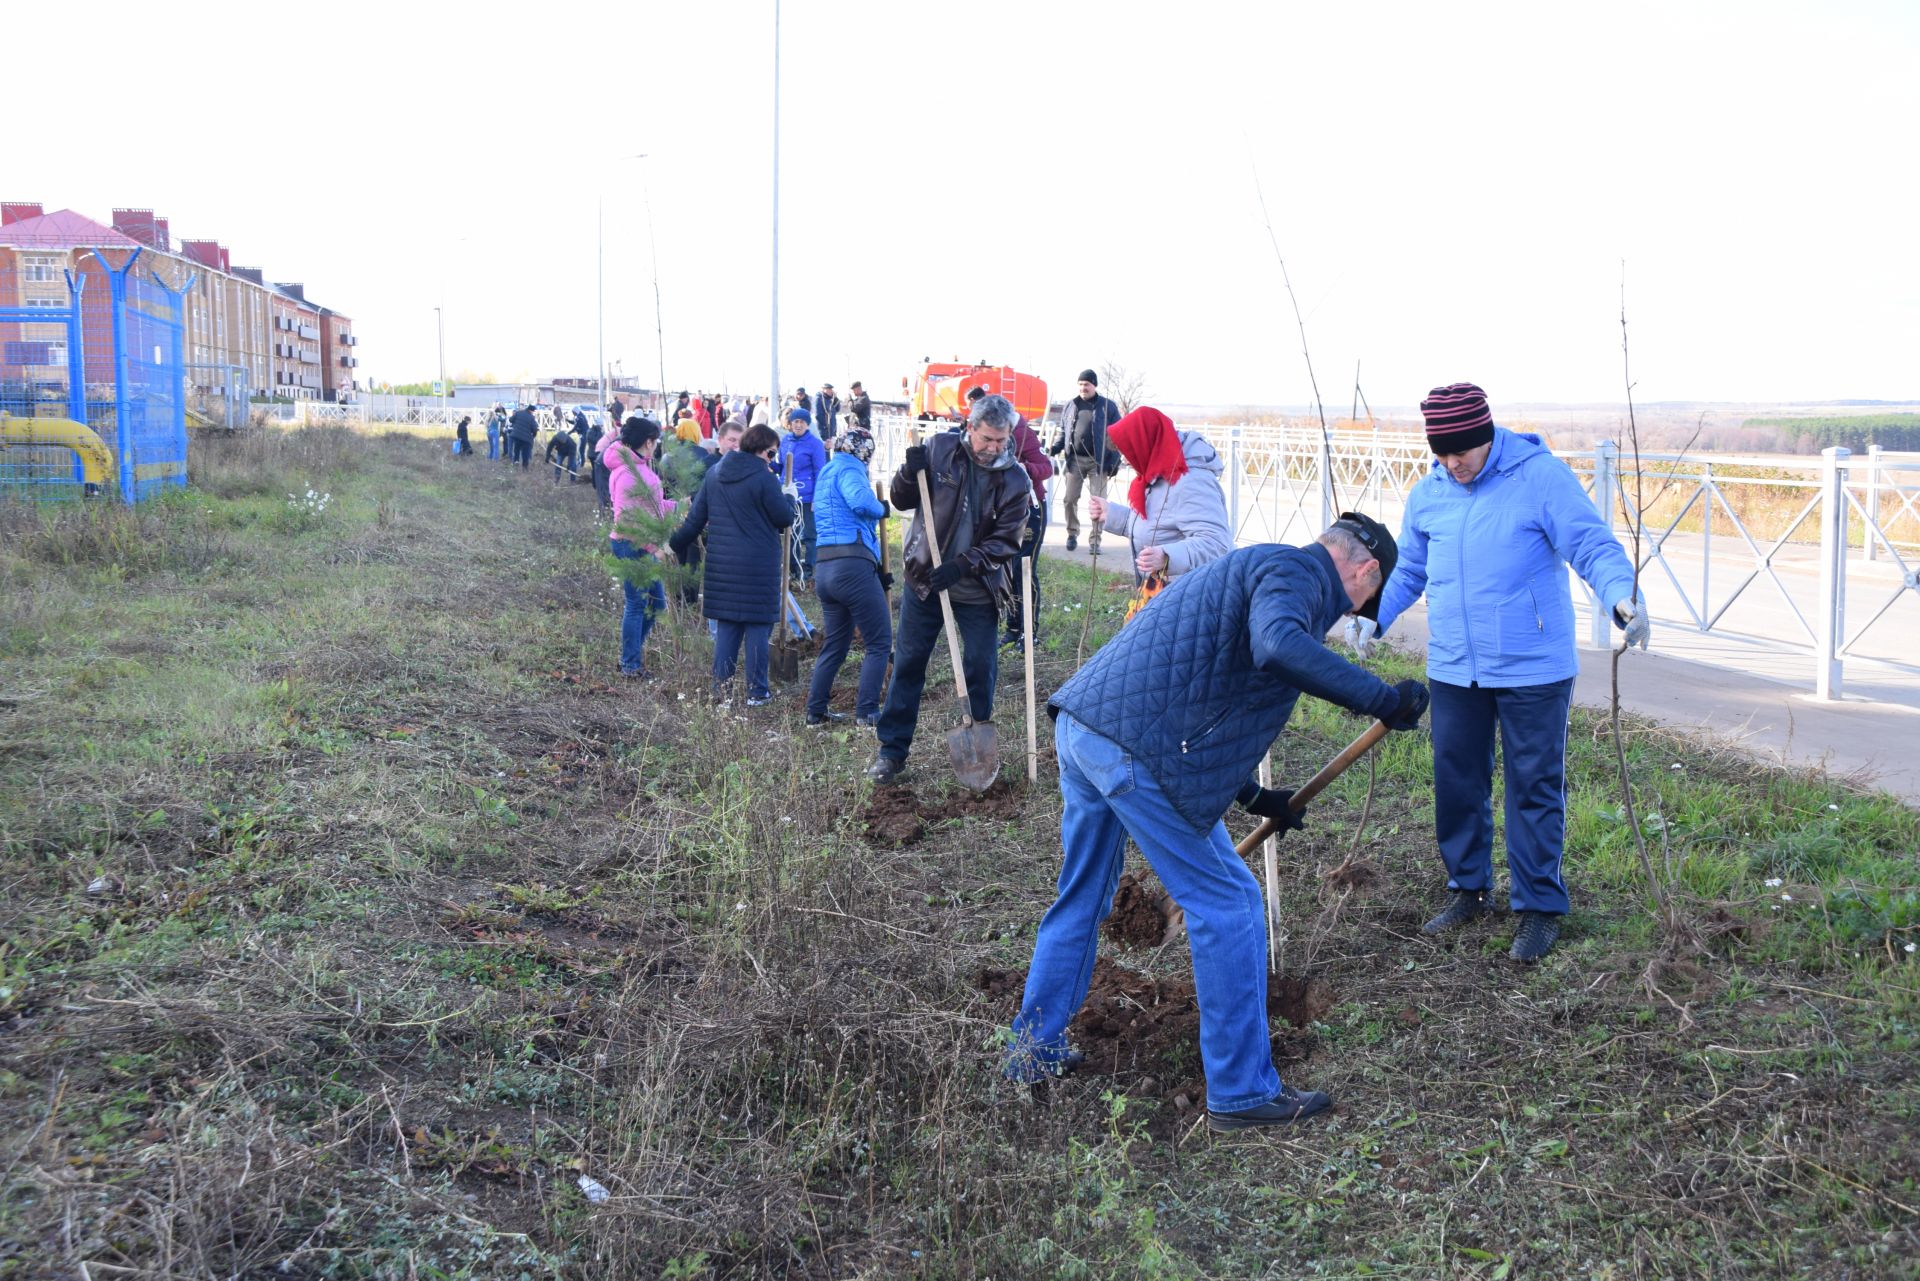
(354, 913)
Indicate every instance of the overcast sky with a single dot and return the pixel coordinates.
(1051, 185)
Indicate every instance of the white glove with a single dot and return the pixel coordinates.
(1359, 634)
(1634, 623)
(791, 491)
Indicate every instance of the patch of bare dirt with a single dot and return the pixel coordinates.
(893, 818)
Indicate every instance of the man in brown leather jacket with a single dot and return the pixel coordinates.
(981, 497)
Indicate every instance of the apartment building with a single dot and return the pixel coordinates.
(243, 334)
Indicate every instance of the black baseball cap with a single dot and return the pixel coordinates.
(1377, 539)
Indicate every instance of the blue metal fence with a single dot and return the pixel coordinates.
(104, 350)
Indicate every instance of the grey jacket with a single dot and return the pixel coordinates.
(1186, 519)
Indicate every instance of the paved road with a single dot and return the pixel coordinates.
(1871, 742)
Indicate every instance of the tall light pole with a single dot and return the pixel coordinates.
(600, 251)
(600, 239)
(440, 324)
(773, 376)
(659, 330)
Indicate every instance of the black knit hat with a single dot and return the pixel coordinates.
(1457, 418)
(1377, 539)
(1088, 376)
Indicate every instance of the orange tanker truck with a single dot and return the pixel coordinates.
(940, 390)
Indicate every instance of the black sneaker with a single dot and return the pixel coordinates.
(885, 769)
(1073, 541)
(1463, 907)
(825, 718)
(1288, 1106)
(1536, 936)
(870, 720)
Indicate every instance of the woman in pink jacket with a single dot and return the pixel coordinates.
(636, 491)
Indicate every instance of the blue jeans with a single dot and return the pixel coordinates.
(921, 629)
(728, 637)
(1107, 797)
(1532, 720)
(493, 443)
(850, 597)
(644, 604)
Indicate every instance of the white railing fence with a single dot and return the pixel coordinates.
(1834, 538)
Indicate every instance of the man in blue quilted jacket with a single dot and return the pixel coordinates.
(1156, 736)
(1487, 538)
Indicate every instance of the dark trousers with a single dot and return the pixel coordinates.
(1029, 551)
(1532, 723)
(728, 639)
(851, 597)
(521, 452)
(920, 630)
(602, 479)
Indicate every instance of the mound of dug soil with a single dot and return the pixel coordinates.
(1002, 800)
(1139, 918)
(1135, 1025)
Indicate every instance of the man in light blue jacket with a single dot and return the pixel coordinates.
(1487, 537)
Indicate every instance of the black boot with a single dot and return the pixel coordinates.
(1536, 936)
(1463, 907)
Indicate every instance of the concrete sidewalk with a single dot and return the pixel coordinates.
(1869, 744)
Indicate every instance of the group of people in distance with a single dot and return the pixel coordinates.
(1164, 725)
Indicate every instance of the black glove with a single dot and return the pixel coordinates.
(916, 461)
(886, 509)
(1413, 702)
(886, 581)
(1275, 802)
(1057, 448)
(946, 575)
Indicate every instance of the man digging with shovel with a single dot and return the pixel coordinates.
(1156, 735)
(979, 502)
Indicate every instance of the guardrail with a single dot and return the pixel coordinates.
(1709, 520)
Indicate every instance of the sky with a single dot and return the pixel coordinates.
(1458, 191)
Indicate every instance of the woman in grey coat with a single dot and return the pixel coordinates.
(1175, 516)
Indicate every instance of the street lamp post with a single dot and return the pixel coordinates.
(600, 239)
(773, 376)
(440, 324)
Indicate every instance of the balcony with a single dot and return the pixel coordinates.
(348, 362)
(348, 340)
(309, 357)
(310, 332)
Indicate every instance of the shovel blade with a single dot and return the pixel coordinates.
(783, 663)
(975, 749)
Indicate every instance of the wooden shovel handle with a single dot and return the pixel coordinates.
(786, 559)
(1317, 784)
(946, 605)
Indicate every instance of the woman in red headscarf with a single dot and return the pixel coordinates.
(1176, 514)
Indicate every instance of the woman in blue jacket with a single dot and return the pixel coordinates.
(848, 582)
(1487, 537)
(809, 460)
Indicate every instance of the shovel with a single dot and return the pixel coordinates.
(975, 747)
(783, 663)
(1177, 917)
(885, 571)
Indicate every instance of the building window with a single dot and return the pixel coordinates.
(41, 269)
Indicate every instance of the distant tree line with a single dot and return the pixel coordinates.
(1854, 431)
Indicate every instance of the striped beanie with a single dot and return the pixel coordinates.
(1457, 418)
